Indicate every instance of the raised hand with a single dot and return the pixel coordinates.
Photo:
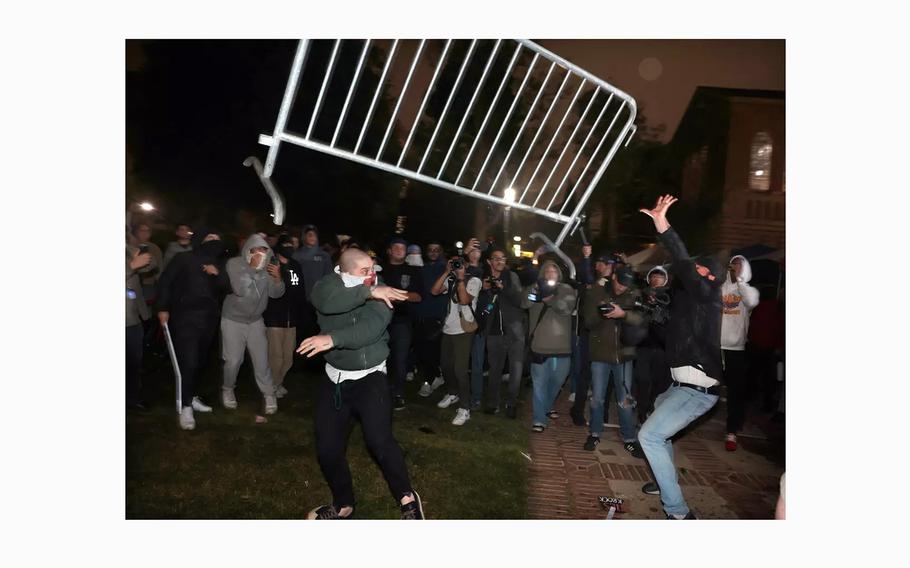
(659, 213)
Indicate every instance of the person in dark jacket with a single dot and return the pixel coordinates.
(354, 317)
(503, 324)
(693, 353)
(431, 312)
(315, 263)
(652, 374)
(405, 277)
(282, 315)
(190, 293)
(137, 262)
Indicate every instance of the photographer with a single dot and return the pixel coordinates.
(473, 255)
(550, 303)
(608, 314)
(693, 353)
(652, 374)
(502, 322)
(457, 334)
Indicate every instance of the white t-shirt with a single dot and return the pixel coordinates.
(453, 324)
(339, 376)
(693, 376)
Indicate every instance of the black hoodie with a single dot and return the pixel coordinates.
(185, 290)
(287, 311)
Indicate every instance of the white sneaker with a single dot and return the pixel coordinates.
(280, 391)
(505, 377)
(461, 416)
(447, 400)
(227, 399)
(425, 390)
(437, 382)
(572, 397)
(271, 404)
(187, 422)
(200, 406)
(409, 377)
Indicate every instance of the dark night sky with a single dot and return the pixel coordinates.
(195, 109)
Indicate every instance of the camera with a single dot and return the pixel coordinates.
(544, 288)
(657, 306)
(143, 248)
(274, 260)
(457, 264)
(605, 309)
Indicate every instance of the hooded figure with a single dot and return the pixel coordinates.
(739, 299)
(414, 258)
(552, 335)
(314, 261)
(251, 284)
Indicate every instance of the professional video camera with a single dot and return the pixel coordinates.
(543, 289)
(656, 306)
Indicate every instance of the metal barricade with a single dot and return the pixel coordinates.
(571, 122)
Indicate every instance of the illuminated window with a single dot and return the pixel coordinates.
(760, 162)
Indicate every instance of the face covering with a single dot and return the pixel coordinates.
(264, 259)
(211, 250)
(414, 260)
(351, 280)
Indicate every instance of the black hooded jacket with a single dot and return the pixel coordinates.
(185, 290)
(287, 311)
(693, 332)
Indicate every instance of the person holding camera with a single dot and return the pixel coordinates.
(652, 374)
(253, 281)
(190, 293)
(550, 303)
(354, 316)
(475, 268)
(284, 314)
(609, 315)
(693, 353)
(457, 334)
(138, 262)
(503, 329)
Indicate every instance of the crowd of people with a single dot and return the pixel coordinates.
(468, 325)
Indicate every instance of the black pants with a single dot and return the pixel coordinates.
(652, 377)
(134, 337)
(399, 346)
(193, 337)
(584, 379)
(762, 373)
(511, 344)
(735, 381)
(337, 406)
(428, 340)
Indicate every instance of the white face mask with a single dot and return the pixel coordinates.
(263, 260)
(351, 280)
(414, 260)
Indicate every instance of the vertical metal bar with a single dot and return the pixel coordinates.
(445, 110)
(404, 89)
(483, 125)
(603, 167)
(325, 81)
(464, 118)
(591, 161)
(578, 155)
(347, 100)
(369, 116)
(555, 136)
(543, 122)
(522, 127)
(502, 126)
(290, 92)
(423, 104)
(568, 143)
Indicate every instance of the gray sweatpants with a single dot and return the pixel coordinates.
(235, 337)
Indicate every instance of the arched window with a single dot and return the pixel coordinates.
(760, 162)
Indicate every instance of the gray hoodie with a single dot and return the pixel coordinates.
(553, 335)
(251, 287)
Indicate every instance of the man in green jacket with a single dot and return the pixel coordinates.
(353, 316)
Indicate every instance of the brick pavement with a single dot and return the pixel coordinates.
(566, 481)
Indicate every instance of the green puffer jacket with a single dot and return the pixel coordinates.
(356, 324)
(604, 340)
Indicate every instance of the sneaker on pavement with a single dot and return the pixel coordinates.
(552, 415)
(591, 443)
(280, 391)
(413, 511)
(689, 516)
(326, 512)
(461, 416)
(200, 406)
(538, 428)
(634, 448)
(651, 488)
(271, 404)
(511, 412)
(447, 401)
(187, 422)
(399, 403)
(409, 377)
(227, 399)
(572, 397)
(437, 382)
(730, 442)
(425, 390)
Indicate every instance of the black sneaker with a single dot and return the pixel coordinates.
(399, 403)
(413, 511)
(689, 516)
(634, 448)
(475, 405)
(552, 415)
(511, 412)
(325, 513)
(591, 443)
(651, 488)
(491, 410)
(578, 418)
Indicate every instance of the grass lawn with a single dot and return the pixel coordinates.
(232, 468)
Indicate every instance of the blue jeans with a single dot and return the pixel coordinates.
(547, 378)
(477, 356)
(675, 409)
(622, 386)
